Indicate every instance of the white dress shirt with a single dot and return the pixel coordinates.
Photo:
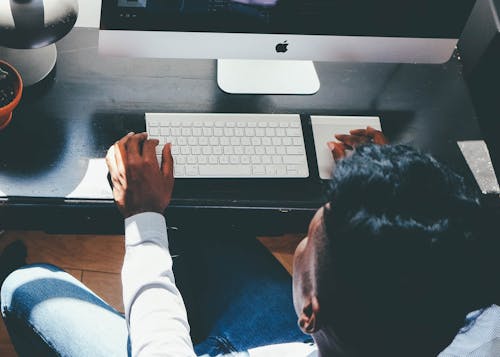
(157, 318)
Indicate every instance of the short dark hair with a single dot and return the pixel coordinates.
(400, 246)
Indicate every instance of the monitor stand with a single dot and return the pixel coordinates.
(267, 77)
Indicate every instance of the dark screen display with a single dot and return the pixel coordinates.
(395, 18)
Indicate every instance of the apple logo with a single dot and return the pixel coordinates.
(282, 47)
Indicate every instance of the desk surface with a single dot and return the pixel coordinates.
(62, 126)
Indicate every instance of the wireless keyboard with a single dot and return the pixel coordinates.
(207, 145)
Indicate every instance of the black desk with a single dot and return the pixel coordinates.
(94, 100)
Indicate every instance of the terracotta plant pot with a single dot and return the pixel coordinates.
(7, 109)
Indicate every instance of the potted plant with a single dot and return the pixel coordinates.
(11, 89)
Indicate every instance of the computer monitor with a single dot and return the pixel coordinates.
(266, 46)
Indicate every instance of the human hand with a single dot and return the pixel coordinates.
(139, 183)
(355, 138)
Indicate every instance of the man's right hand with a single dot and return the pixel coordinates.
(139, 183)
(355, 138)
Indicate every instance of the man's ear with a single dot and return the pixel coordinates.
(309, 319)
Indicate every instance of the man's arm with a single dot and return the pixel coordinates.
(154, 309)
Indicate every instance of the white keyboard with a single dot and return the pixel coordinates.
(207, 145)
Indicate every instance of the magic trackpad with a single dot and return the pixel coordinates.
(324, 130)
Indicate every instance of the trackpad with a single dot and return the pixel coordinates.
(325, 127)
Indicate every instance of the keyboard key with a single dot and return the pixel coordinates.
(202, 159)
(294, 150)
(234, 159)
(271, 150)
(249, 132)
(271, 170)
(191, 170)
(293, 132)
(179, 170)
(259, 170)
(255, 159)
(226, 170)
(260, 132)
(213, 159)
(293, 159)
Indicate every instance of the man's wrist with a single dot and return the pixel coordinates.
(131, 213)
(146, 226)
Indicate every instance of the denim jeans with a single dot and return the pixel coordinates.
(237, 297)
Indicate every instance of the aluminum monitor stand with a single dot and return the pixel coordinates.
(267, 77)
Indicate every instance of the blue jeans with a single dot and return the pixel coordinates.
(236, 294)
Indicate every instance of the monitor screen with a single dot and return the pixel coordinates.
(396, 31)
(379, 18)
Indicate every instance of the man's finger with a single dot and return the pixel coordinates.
(113, 170)
(337, 149)
(376, 135)
(120, 150)
(123, 141)
(110, 160)
(352, 140)
(120, 156)
(134, 145)
(359, 132)
(149, 149)
(167, 162)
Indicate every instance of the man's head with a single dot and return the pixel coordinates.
(388, 265)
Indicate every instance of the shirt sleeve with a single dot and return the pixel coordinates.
(154, 309)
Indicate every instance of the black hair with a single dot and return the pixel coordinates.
(400, 259)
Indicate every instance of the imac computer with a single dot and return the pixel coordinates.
(267, 46)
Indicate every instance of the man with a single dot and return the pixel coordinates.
(391, 267)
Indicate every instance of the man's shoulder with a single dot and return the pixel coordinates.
(480, 335)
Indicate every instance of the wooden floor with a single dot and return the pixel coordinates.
(97, 261)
